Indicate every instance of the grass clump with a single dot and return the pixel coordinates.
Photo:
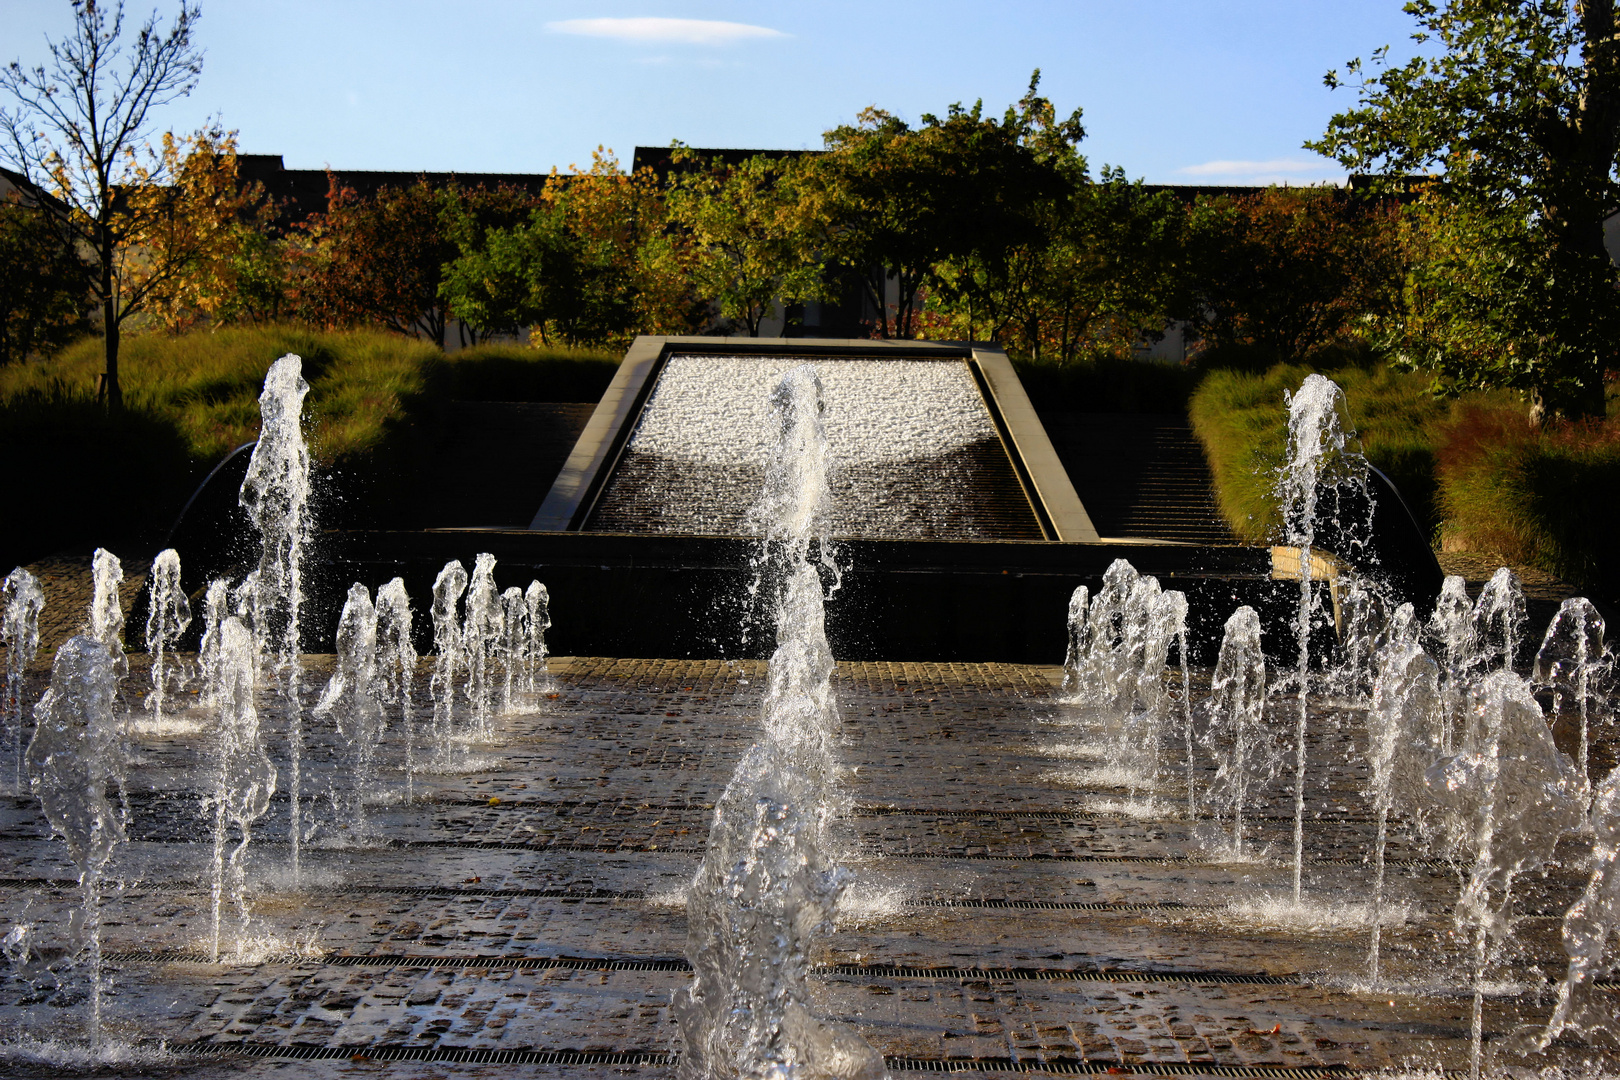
(1241, 418)
(1545, 497)
(80, 477)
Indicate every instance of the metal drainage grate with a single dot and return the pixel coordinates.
(492, 1056)
(872, 971)
(462, 1054)
(1202, 978)
(1139, 860)
(1062, 905)
(1097, 1068)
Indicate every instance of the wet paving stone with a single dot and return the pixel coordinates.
(522, 911)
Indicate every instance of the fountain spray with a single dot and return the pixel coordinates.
(77, 750)
(481, 640)
(1588, 925)
(1572, 663)
(1451, 627)
(168, 613)
(1317, 452)
(448, 657)
(351, 694)
(1074, 660)
(537, 674)
(766, 886)
(216, 608)
(1405, 702)
(514, 645)
(396, 661)
(244, 778)
(1510, 795)
(276, 495)
(1245, 754)
(1499, 619)
(24, 600)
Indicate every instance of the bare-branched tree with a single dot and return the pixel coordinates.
(76, 130)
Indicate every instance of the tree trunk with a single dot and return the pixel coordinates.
(110, 393)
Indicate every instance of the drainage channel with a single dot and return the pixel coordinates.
(678, 964)
(492, 1056)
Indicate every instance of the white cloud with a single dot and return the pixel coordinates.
(666, 31)
(1276, 171)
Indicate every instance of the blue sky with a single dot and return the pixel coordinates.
(1175, 91)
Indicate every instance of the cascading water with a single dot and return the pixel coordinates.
(244, 778)
(481, 642)
(514, 646)
(76, 752)
(1499, 619)
(766, 886)
(168, 615)
(1246, 755)
(449, 655)
(537, 673)
(1509, 795)
(276, 495)
(24, 600)
(1573, 665)
(351, 698)
(1451, 628)
(396, 664)
(1401, 744)
(1318, 455)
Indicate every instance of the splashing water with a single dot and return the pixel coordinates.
(396, 664)
(1366, 614)
(1588, 926)
(1245, 753)
(537, 674)
(276, 494)
(77, 750)
(448, 656)
(19, 627)
(1509, 795)
(766, 886)
(244, 778)
(105, 621)
(1157, 692)
(1079, 649)
(514, 646)
(1451, 628)
(1499, 620)
(168, 615)
(1572, 663)
(1318, 454)
(1405, 704)
(351, 696)
(216, 609)
(481, 642)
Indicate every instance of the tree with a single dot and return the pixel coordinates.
(75, 131)
(378, 259)
(43, 283)
(963, 193)
(1520, 109)
(747, 226)
(202, 251)
(1288, 270)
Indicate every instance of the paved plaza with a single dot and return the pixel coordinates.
(524, 915)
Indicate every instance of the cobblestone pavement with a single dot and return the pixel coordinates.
(521, 913)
